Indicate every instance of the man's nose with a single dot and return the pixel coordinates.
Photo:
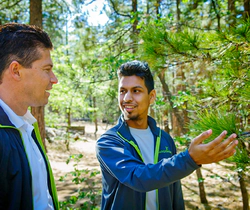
(127, 97)
(53, 78)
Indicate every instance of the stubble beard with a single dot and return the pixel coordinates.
(129, 116)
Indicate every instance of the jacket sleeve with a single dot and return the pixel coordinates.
(4, 153)
(116, 159)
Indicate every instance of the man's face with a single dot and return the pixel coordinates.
(134, 100)
(38, 80)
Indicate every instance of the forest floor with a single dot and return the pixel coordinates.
(221, 183)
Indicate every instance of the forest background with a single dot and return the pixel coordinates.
(198, 51)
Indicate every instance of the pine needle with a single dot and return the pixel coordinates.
(217, 120)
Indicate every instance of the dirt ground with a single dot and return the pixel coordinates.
(221, 184)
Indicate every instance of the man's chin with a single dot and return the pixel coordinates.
(129, 117)
(42, 103)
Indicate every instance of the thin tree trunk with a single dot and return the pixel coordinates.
(38, 113)
(157, 6)
(178, 11)
(217, 12)
(244, 193)
(168, 94)
(232, 13)
(134, 26)
(203, 197)
(166, 121)
(95, 116)
(68, 113)
(246, 8)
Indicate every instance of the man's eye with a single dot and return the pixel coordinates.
(47, 70)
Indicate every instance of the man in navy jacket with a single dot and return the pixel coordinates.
(140, 167)
(26, 76)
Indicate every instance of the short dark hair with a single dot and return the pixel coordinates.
(140, 69)
(21, 42)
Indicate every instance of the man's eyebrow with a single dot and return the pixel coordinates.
(48, 65)
(138, 86)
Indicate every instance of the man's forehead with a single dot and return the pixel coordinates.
(131, 82)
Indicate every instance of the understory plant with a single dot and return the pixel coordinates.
(87, 195)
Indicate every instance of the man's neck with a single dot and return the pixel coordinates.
(138, 124)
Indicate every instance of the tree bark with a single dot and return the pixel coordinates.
(95, 115)
(243, 188)
(232, 12)
(203, 197)
(134, 26)
(36, 12)
(178, 11)
(246, 8)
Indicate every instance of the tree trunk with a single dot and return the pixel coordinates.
(232, 13)
(246, 8)
(217, 12)
(203, 197)
(36, 12)
(36, 19)
(166, 121)
(175, 111)
(244, 193)
(178, 11)
(95, 115)
(38, 113)
(157, 6)
(134, 26)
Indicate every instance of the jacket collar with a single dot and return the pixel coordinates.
(123, 128)
(4, 120)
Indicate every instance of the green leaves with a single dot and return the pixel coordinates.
(83, 178)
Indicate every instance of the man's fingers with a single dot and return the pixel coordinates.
(213, 151)
(199, 139)
(229, 140)
(230, 150)
(217, 140)
(227, 147)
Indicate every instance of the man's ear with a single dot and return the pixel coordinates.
(152, 96)
(14, 69)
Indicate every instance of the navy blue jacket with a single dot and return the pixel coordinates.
(125, 177)
(15, 173)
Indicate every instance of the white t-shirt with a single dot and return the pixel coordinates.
(145, 141)
(41, 196)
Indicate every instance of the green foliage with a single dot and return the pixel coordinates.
(219, 120)
(14, 11)
(88, 194)
(216, 119)
(183, 140)
(70, 86)
(241, 159)
(181, 97)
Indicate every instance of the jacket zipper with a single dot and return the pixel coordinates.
(156, 156)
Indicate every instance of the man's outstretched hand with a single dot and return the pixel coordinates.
(213, 151)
